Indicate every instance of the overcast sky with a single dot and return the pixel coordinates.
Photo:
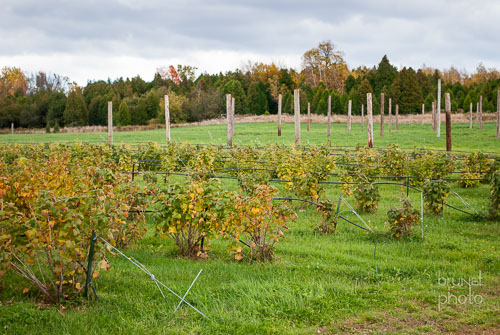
(100, 39)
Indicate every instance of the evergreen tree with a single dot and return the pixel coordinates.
(287, 103)
(236, 90)
(124, 118)
(407, 92)
(138, 112)
(467, 101)
(257, 99)
(350, 83)
(152, 104)
(384, 76)
(75, 113)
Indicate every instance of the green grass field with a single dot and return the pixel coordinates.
(317, 284)
(408, 136)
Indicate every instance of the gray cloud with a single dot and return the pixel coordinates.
(438, 33)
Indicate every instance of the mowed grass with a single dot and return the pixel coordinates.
(408, 136)
(316, 284)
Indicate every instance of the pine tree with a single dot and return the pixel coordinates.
(75, 113)
(236, 90)
(384, 76)
(124, 118)
(407, 92)
(257, 99)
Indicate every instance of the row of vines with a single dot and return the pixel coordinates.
(52, 197)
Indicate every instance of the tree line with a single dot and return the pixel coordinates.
(44, 99)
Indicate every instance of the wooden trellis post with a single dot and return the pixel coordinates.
(349, 108)
(423, 113)
(448, 121)
(329, 114)
(370, 119)
(229, 100)
(480, 112)
(382, 114)
(296, 108)
(167, 118)
(438, 106)
(390, 114)
(279, 115)
(434, 115)
(12, 128)
(470, 116)
(397, 117)
(308, 116)
(498, 113)
(110, 122)
(233, 103)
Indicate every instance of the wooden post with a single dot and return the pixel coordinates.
(438, 114)
(296, 108)
(12, 128)
(448, 121)
(397, 117)
(308, 116)
(167, 117)
(370, 119)
(390, 114)
(423, 113)
(233, 103)
(480, 112)
(382, 114)
(110, 122)
(329, 114)
(229, 100)
(279, 115)
(477, 112)
(362, 117)
(498, 113)
(434, 115)
(349, 108)
(470, 116)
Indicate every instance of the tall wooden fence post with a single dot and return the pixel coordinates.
(434, 115)
(308, 116)
(370, 119)
(390, 114)
(233, 103)
(349, 109)
(110, 122)
(397, 117)
(423, 113)
(12, 128)
(362, 117)
(382, 114)
(296, 109)
(229, 100)
(498, 113)
(448, 121)
(438, 114)
(470, 116)
(480, 112)
(279, 115)
(477, 112)
(329, 114)
(167, 118)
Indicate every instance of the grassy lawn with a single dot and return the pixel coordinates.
(317, 283)
(408, 136)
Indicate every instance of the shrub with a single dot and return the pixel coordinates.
(328, 222)
(494, 212)
(402, 219)
(47, 128)
(367, 197)
(56, 127)
(435, 193)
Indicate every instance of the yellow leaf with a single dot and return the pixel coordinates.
(77, 285)
(172, 230)
(25, 290)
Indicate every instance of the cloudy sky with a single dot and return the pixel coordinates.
(100, 39)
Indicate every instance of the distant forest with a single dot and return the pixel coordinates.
(41, 99)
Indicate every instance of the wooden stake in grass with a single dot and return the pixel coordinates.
(477, 112)
(480, 112)
(423, 113)
(448, 121)
(229, 100)
(110, 122)
(434, 115)
(296, 108)
(498, 113)
(233, 103)
(362, 117)
(370, 119)
(329, 114)
(279, 115)
(438, 106)
(349, 108)
(397, 117)
(470, 116)
(308, 116)
(381, 114)
(390, 114)
(12, 128)
(167, 118)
